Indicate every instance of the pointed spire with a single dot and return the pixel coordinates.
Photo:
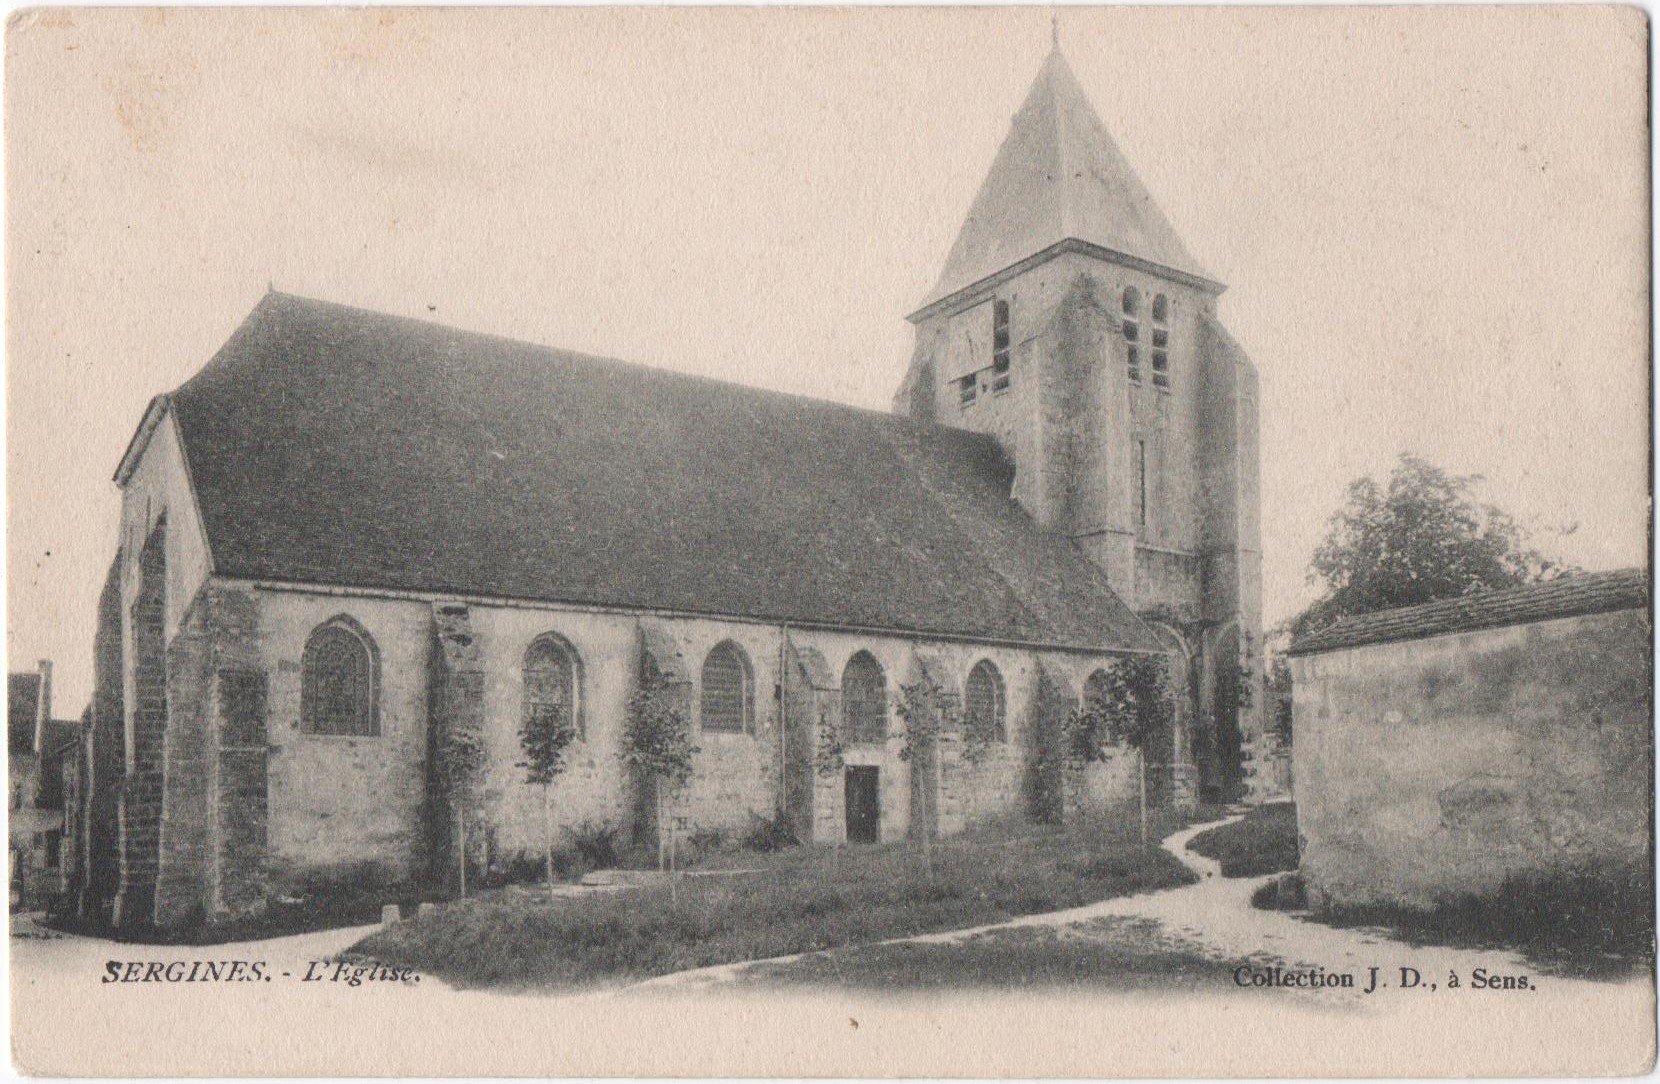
(1054, 33)
(1059, 176)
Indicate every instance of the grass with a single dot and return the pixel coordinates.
(803, 899)
(1264, 842)
(1101, 954)
(329, 907)
(1593, 925)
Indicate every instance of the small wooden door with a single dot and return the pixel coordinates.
(864, 805)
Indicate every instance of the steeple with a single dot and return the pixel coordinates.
(1060, 177)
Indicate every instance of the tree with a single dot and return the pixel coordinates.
(928, 711)
(544, 736)
(657, 745)
(1424, 536)
(1133, 706)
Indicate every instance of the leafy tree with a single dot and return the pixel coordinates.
(544, 736)
(1423, 536)
(657, 745)
(1134, 706)
(928, 711)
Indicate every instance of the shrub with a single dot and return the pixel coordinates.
(704, 842)
(1282, 893)
(767, 834)
(517, 868)
(596, 842)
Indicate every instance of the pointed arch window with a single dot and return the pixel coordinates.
(984, 702)
(553, 678)
(865, 699)
(339, 681)
(728, 702)
(1131, 304)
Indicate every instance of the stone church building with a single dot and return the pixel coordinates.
(350, 530)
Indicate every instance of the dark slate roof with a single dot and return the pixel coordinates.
(1059, 175)
(22, 700)
(1569, 596)
(334, 445)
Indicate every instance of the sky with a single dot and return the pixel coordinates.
(1433, 223)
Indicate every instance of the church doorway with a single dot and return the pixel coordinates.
(864, 805)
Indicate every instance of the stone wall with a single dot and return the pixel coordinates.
(345, 808)
(211, 850)
(1071, 421)
(146, 724)
(1427, 770)
(246, 805)
(339, 801)
(104, 768)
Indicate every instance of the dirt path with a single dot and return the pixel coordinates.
(1213, 917)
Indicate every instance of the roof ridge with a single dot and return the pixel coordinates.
(1570, 595)
(900, 421)
(1062, 168)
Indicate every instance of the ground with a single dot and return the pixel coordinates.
(835, 1013)
(1265, 841)
(746, 906)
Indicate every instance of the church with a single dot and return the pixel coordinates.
(350, 530)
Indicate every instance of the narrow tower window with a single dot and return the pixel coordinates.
(999, 345)
(1161, 342)
(1132, 332)
(1140, 483)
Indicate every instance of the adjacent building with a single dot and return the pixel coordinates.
(40, 764)
(1477, 745)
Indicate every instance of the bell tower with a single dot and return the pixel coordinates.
(1072, 323)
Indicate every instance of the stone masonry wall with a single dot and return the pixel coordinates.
(213, 843)
(345, 809)
(241, 792)
(1071, 420)
(141, 794)
(338, 805)
(187, 776)
(1432, 769)
(105, 753)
